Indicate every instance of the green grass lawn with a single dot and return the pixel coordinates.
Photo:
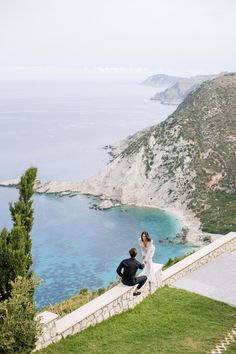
(169, 321)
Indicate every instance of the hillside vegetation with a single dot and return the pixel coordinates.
(208, 118)
(188, 160)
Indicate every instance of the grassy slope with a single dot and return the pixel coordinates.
(170, 321)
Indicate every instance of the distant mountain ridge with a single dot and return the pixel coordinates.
(177, 93)
(172, 90)
(162, 81)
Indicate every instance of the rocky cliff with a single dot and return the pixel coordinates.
(186, 163)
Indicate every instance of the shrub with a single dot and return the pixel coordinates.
(207, 239)
(100, 291)
(83, 291)
(172, 261)
(18, 328)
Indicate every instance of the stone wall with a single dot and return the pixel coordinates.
(48, 325)
(114, 301)
(120, 298)
(205, 255)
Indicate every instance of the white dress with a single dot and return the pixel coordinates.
(147, 254)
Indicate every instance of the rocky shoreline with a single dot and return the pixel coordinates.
(178, 165)
(191, 228)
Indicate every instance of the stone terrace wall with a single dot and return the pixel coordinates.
(120, 298)
(114, 301)
(205, 255)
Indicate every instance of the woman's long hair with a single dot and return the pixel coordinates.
(145, 233)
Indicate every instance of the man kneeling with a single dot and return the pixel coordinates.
(130, 267)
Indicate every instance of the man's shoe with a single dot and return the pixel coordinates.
(137, 293)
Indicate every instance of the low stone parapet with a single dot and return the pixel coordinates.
(206, 254)
(114, 301)
(47, 320)
(120, 298)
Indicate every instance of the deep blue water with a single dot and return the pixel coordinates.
(76, 247)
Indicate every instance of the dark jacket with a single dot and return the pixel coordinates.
(130, 267)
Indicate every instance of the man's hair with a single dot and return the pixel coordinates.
(133, 252)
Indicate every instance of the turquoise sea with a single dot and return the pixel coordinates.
(61, 129)
(77, 247)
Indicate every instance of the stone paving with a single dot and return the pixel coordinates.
(221, 347)
(216, 280)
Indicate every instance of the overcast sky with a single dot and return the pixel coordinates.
(182, 37)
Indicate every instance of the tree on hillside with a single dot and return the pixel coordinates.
(15, 246)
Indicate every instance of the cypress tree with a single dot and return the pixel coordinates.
(5, 270)
(15, 246)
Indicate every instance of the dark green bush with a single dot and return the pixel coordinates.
(83, 291)
(100, 291)
(207, 239)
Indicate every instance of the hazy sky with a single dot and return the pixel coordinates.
(181, 37)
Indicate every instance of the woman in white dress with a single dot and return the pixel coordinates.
(148, 250)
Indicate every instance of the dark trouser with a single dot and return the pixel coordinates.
(140, 281)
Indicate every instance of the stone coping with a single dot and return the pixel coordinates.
(206, 250)
(94, 305)
(120, 298)
(46, 317)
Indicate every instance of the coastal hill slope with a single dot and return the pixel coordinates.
(176, 93)
(188, 161)
(186, 164)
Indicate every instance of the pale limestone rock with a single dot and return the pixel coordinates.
(126, 180)
(10, 182)
(105, 204)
